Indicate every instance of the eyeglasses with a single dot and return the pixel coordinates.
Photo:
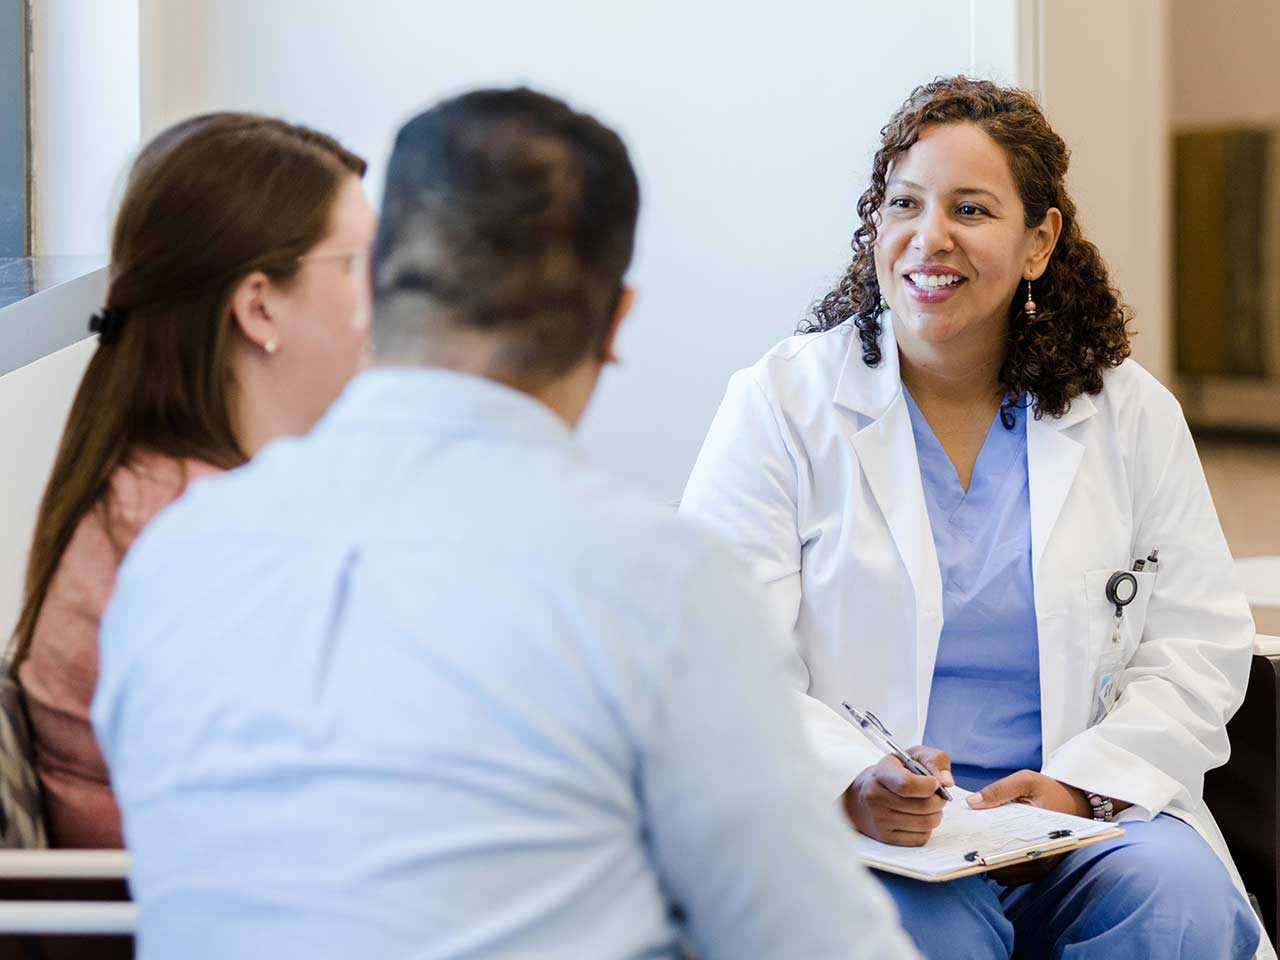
(353, 260)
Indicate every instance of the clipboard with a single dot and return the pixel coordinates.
(974, 841)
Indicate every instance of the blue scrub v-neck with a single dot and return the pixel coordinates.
(984, 706)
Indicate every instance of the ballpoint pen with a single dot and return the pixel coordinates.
(879, 734)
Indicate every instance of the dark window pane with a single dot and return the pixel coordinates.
(13, 128)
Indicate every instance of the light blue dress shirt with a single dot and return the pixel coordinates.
(984, 706)
(427, 684)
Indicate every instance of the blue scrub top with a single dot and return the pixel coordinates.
(984, 707)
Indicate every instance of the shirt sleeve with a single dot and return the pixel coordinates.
(1188, 675)
(761, 863)
(745, 488)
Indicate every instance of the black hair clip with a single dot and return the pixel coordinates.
(107, 324)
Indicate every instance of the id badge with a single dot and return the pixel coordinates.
(1106, 681)
(1106, 690)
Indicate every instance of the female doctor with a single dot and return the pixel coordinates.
(936, 485)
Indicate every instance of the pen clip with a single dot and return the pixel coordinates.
(870, 725)
(888, 738)
(882, 728)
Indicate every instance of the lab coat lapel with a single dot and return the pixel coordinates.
(1053, 458)
(1053, 461)
(886, 450)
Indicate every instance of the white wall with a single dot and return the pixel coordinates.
(1106, 91)
(34, 401)
(751, 127)
(751, 130)
(84, 119)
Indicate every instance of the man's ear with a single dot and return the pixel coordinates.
(626, 300)
(249, 312)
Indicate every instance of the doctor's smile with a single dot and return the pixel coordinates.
(933, 284)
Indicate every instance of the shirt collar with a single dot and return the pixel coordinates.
(445, 401)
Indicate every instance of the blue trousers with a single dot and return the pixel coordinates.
(1157, 892)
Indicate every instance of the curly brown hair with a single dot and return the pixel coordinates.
(1081, 324)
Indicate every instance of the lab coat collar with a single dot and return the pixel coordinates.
(445, 401)
(870, 391)
(1081, 409)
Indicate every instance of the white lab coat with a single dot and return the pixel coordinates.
(810, 469)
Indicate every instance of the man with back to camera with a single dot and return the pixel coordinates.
(426, 683)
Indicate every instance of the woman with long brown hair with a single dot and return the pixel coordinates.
(985, 525)
(236, 311)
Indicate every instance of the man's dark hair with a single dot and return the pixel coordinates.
(506, 212)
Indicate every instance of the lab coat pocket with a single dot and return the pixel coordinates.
(1113, 640)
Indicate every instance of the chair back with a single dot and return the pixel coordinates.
(1244, 794)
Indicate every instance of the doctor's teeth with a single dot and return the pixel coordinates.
(933, 279)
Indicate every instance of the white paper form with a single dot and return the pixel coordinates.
(1005, 832)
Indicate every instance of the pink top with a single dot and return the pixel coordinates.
(61, 669)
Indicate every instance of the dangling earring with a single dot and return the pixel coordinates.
(1029, 308)
(884, 304)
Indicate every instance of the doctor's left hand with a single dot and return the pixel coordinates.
(1027, 786)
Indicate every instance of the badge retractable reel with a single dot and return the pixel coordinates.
(1122, 589)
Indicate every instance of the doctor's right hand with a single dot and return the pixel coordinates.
(889, 803)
